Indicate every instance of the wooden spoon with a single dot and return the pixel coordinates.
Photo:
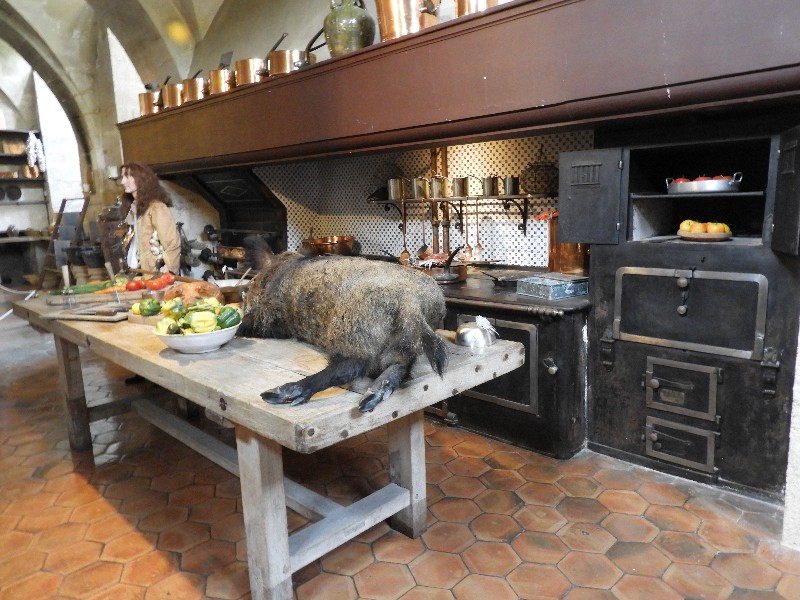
(477, 251)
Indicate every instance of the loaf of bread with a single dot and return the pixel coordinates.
(194, 290)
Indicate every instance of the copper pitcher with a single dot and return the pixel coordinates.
(566, 257)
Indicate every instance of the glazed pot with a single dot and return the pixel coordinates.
(348, 27)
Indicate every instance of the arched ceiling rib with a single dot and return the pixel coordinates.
(19, 34)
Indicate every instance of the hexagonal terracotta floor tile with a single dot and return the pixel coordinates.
(68, 559)
(213, 510)
(505, 459)
(541, 473)
(230, 582)
(589, 570)
(630, 528)
(207, 557)
(502, 479)
(586, 537)
(146, 570)
(581, 487)
(129, 546)
(697, 581)
(397, 548)
(461, 487)
(546, 494)
(662, 493)
(495, 528)
(457, 510)
(93, 578)
(448, 537)
(490, 558)
(482, 587)
(728, 537)
(637, 587)
(475, 447)
(539, 547)
(438, 569)
(618, 479)
(672, 518)
(467, 466)
(436, 473)
(746, 571)
(538, 581)
(164, 518)
(183, 536)
(684, 548)
(623, 501)
(502, 502)
(383, 581)
(638, 559)
(582, 510)
(540, 518)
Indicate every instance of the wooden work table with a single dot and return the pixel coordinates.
(229, 381)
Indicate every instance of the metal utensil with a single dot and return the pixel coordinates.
(423, 250)
(110, 272)
(467, 247)
(405, 255)
(477, 251)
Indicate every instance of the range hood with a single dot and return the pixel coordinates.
(518, 69)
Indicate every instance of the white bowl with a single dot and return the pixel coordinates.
(197, 343)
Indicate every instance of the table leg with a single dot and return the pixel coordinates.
(71, 378)
(407, 469)
(264, 506)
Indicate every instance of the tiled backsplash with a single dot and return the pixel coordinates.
(330, 197)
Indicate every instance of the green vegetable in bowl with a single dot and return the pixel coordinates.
(229, 316)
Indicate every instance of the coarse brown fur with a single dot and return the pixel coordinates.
(373, 318)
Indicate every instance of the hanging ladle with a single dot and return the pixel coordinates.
(477, 251)
(467, 247)
(423, 251)
(405, 255)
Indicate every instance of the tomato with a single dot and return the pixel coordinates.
(702, 178)
(168, 278)
(155, 284)
(134, 285)
(680, 180)
(723, 177)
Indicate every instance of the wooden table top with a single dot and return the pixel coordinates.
(229, 381)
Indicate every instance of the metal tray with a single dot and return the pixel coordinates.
(703, 187)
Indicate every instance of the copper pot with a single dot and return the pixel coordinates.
(334, 244)
(246, 71)
(147, 104)
(194, 89)
(401, 17)
(219, 81)
(171, 95)
(566, 257)
(281, 62)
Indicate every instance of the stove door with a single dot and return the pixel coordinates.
(681, 444)
(682, 388)
(716, 312)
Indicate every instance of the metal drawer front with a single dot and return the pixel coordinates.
(684, 445)
(682, 388)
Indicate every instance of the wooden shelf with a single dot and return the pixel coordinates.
(520, 68)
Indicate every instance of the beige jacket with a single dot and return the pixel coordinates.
(156, 236)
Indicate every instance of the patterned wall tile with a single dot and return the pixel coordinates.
(329, 197)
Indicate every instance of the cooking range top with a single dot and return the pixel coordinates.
(480, 288)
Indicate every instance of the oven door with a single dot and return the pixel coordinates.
(518, 389)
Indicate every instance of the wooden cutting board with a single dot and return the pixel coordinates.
(109, 312)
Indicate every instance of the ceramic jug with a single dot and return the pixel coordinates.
(348, 27)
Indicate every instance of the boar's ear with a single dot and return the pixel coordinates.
(258, 254)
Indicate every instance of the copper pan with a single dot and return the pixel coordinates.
(147, 103)
(246, 71)
(171, 95)
(219, 81)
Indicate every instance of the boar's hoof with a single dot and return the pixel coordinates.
(284, 394)
(368, 403)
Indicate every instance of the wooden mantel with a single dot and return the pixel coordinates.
(523, 67)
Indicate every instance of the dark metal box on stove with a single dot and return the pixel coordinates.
(553, 286)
